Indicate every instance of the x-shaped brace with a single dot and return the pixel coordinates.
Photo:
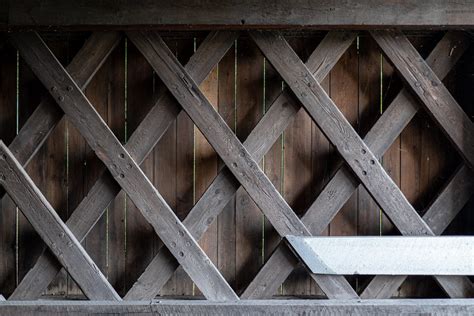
(343, 184)
(140, 144)
(230, 149)
(355, 152)
(51, 228)
(224, 186)
(123, 167)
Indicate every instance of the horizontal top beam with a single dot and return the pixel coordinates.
(324, 14)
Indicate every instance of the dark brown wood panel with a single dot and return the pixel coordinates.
(8, 129)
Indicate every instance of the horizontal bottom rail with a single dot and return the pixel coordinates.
(292, 306)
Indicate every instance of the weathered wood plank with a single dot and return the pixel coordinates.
(343, 184)
(206, 166)
(2, 298)
(235, 14)
(52, 229)
(122, 166)
(434, 96)
(8, 212)
(48, 169)
(140, 234)
(226, 246)
(140, 144)
(249, 108)
(386, 255)
(297, 165)
(258, 307)
(224, 186)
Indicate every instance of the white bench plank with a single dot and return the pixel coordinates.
(386, 255)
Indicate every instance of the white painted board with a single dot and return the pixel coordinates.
(398, 255)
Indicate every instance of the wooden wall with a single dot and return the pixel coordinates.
(183, 164)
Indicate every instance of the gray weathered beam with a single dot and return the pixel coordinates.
(122, 166)
(236, 14)
(141, 142)
(225, 143)
(387, 255)
(224, 186)
(352, 148)
(434, 96)
(258, 307)
(2, 298)
(52, 229)
(339, 189)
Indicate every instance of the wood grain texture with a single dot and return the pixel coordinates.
(235, 14)
(224, 185)
(229, 148)
(449, 307)
(8, 269)
(249, 110)
(52, 229)
(141, 142)
(434, 96)
(122, 166)
(355, 152)
(343, 184)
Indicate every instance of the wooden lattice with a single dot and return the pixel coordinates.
(361, 157)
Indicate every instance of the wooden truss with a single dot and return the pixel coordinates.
(123, 172)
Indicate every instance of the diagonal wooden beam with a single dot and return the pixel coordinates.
(434, 96)
(224, 186)
(51, 228)
(438, 216)
(339, 189)
(230, 149)
(140, 144)
(47, 114)
(122, 166)
(352, 148)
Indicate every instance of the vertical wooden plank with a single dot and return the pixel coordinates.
(8, 76)
(140, 234)
(460, 82)
(274, 159)
(369, 111)
(298, 164)
(344, 91)
(226, 239)
(165, 156)
(391, 160)
(105, 242)
(205, 166)
(249, 110)
(74, 164)
(48, 169)
(414, 182)
(321, 151)
(116, 214)
(181, 284)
